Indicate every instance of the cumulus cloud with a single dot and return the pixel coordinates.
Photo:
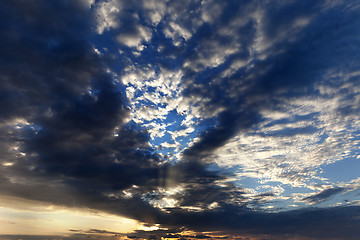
(120, 18)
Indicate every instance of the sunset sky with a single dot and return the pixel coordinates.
(179, 119)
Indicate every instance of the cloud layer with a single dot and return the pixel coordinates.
(201, 115)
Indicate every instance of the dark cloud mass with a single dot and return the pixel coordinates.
(64, 129)
(325, 194)
(70, 110)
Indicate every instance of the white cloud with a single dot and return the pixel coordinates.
(182, 133)
(169, 145)
(107, 14)
(134, 39)
(155, 10)
(130, 32)
(212, 54)
(181, 21)
(151, 108)
(176, 31)
(268, 154)
(211, 10)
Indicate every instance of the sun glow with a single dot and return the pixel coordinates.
(31, 217)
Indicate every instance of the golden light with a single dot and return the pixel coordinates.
(18, 216)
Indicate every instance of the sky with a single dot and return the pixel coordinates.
(192, 119)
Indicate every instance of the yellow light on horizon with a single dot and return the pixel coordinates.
(26, 217)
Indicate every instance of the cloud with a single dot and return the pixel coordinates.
(265, 81)
(63, 123)
(184, 19)
(236, 80)
(323, 195)
(318, 223)
(112, 16)
(57, 237)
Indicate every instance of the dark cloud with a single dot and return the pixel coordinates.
(324, 195)
(95, 231)
(72, 130)
(101, 231)
(322, 223)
